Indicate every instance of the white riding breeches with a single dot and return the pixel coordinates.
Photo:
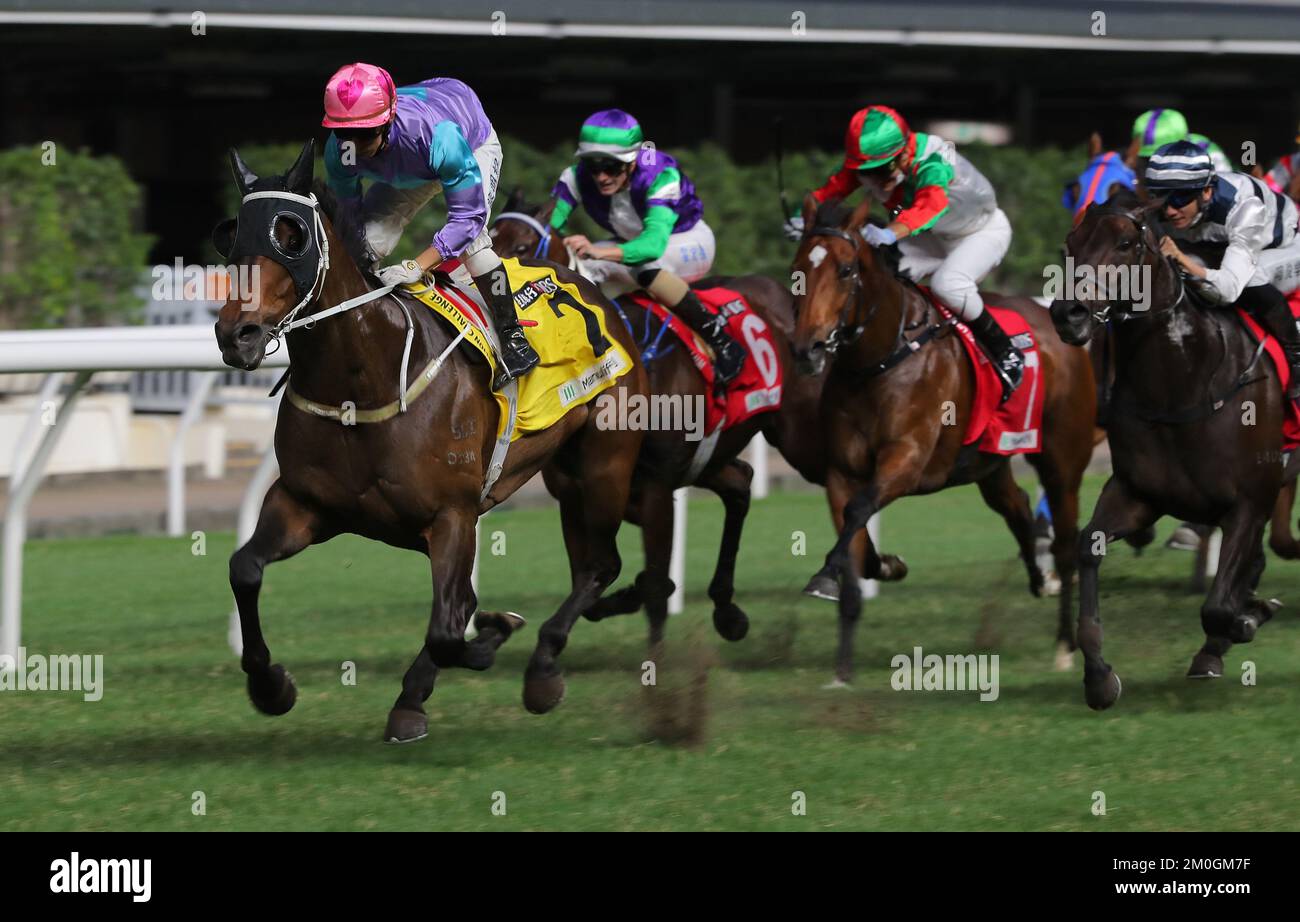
(956, 265)
(1279, 267)
(689, 256)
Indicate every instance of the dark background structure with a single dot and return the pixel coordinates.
(140, 85)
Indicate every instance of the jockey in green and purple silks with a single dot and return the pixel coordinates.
(412, 143)
(660, 241)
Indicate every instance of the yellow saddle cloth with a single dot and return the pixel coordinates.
(579, 359)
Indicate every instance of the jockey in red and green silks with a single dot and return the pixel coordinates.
(943, 213)
(660, 241)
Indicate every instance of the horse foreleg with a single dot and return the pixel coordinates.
(450, 543)
(1118, 514)
(284, 527)
(1003, 495)
(1062, 489)
(731, 483)
(1280, 539)
(898, 470)
(653, 584)
(590, 514)
(1229, 615)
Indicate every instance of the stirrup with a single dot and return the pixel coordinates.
(515, 359)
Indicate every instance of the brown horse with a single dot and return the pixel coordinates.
(416, 479)
(668, 456)
(1195, 432)
(896, 406)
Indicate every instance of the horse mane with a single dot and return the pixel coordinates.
(346, 226)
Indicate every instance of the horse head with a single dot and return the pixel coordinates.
(279, 237)
(1112, 269)
(522, 229)
(834, 274)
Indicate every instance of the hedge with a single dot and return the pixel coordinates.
(69, 253)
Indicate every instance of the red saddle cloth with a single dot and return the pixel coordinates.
(1291, 421)
(757, 389)
(1015, 427)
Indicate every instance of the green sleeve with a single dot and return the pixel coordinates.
(560, 214)
(650, 244)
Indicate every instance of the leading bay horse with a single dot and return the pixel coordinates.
(410, 475)
(1195, 431)
(895, 410)
(667, 456)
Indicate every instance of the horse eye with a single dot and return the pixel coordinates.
(521, 250)
(1124, 245)
(846, 271)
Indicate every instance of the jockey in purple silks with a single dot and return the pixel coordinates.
(661, 243)
(410, 143)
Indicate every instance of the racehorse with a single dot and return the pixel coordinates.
(414, 478)
(666, 460)
(1195, 431)
(897, 403)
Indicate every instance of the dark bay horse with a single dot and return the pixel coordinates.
(1195, 432)
(667, 455)
(415, 479)
(896, 406)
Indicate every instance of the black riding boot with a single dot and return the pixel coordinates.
(517, 355)
(728, 355)
(1008, 361)
(1269, 307)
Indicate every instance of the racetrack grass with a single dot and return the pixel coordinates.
(174, 718)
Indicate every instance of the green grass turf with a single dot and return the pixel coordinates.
(174, 719)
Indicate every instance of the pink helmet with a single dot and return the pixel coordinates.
(359, 96)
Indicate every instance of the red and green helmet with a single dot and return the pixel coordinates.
(876, 135)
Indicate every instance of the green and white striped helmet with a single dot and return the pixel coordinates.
(610, 133)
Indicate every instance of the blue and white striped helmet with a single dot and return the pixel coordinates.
(1179, 165)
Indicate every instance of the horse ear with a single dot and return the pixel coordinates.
(298, 179)
(809, 211)
(544, 213)
(860, 214)
(515, 199)
(1094, 145)
(223, 236)
(244, 177)
(1257, 171)
(1131, 155)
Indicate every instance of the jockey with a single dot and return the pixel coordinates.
(944, 217)
(410, 143)
(1152, 129)
(641, 196)
(1262, 257)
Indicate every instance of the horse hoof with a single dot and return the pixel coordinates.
(507, 622)
(1243, 628)
(406, 726)
(837, 682)
(823, 586)
(1101, 695)
(892, 568)
(730, 622)
(1051, 584)
(1206, 666)
(1064, 661)
(543, 693)
(272, 692)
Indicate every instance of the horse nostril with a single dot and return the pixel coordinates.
(248, 332)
